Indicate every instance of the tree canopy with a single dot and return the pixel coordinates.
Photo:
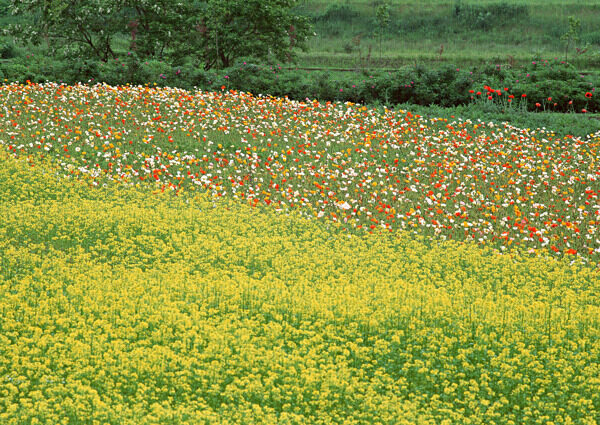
(208, 32)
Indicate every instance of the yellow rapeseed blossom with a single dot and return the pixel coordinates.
(123, 307)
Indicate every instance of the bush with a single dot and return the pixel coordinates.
(554, 86)
(477, 17)
(251, 77)
(153, 71)
(17, 72)
(578, 125)
(7, 50)
(340, 13)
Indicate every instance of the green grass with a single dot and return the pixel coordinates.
(561, 124)
(514, 32)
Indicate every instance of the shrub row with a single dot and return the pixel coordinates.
(551, 86)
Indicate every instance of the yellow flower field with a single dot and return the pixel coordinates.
(125, 305)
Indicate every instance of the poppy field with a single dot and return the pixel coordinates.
(369, 170)
(183, 257)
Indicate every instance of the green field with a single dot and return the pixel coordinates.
(471, 32)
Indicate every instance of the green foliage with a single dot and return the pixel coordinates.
(382, 17)
(213, 32)
(486, 16)
(230, 29)
(549, 86)
(578, 125)
(338, 12)
(84, 28)
(16, 72)
(572, 35)
(154, 71)
(472, 32)
(4, 7)
(7, 50)
(416, 31)
(553, 85)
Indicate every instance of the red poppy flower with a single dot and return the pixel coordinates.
(523, 95)
(571, 251)
(538, 104)
(588, 95)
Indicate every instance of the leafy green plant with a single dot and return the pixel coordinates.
(485, 16)
(382, 17)
(223, 30)
(572, 35)
(7, 50)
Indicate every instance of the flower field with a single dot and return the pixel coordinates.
(369, 170)
(189, 258)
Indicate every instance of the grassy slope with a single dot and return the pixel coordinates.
(418, 29)
(125, 307)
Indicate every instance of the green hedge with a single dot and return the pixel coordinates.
(548, 86)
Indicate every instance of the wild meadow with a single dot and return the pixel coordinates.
(190, 257)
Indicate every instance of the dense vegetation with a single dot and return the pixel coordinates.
(371, 170)
(350, 34)
(518, 96)
(549, 85)
(128, 297)
(191, 235)
(385, 33)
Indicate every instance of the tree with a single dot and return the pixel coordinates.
(224, 30)
(571, 36)
(80, 27)
(158, 25)
(211, 32)
(382, 16)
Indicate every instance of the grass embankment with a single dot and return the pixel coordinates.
(471, 32)
(124, 306)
